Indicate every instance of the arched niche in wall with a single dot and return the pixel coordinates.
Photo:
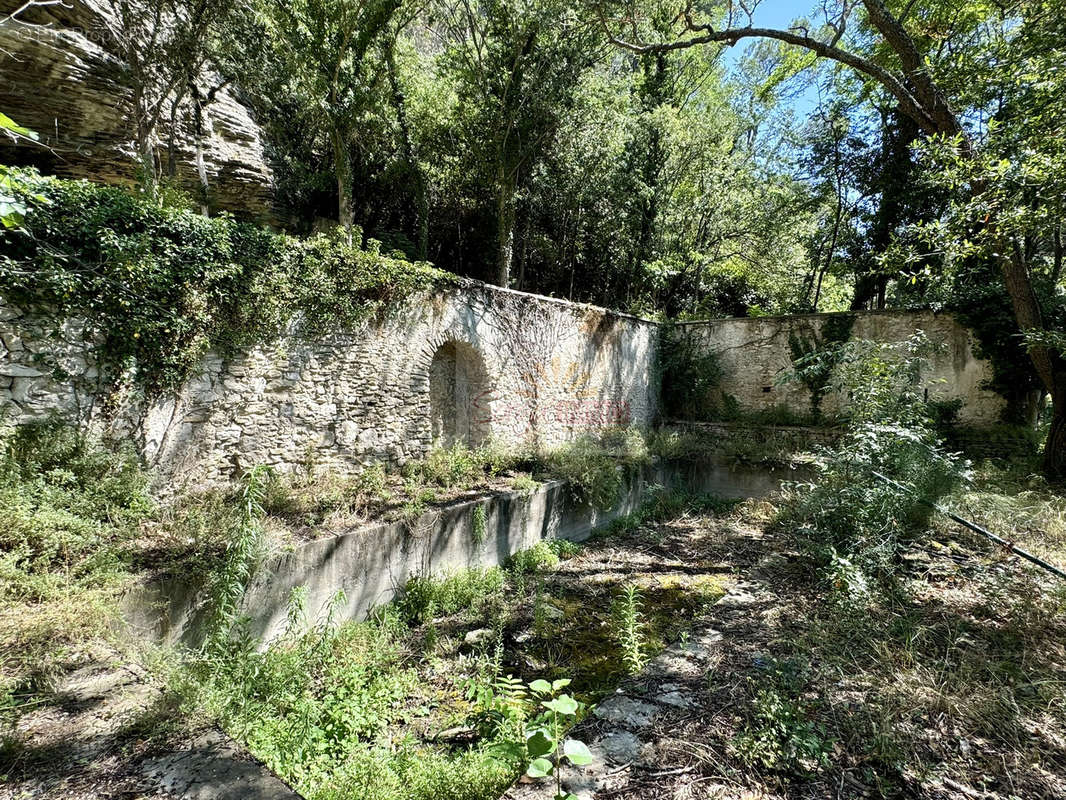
(459, 395)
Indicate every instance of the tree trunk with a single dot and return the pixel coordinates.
(149, 177)
(198, 106)
(923, 101)
(505, 214)
(342, 166)
(1055, 446)
(421, 202)
(1050, 366)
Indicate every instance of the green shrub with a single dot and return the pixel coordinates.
(524, 483)
(410, 772)
(457, 465)
(310, 700)
(815, 357)
(781, 732)
(691, 378)
(370, 484)
(69, 505)
(161, 285)
(539, 557)
(594, 465)
(851, 513)
(71, 510)
(226, 589)
(448, 594)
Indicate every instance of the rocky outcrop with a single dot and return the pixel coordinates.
(61, 77)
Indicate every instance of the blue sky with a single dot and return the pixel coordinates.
(780, 14)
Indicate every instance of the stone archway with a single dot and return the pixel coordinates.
(458, 396)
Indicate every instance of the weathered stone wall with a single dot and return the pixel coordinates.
(515, 367)
(755, 354)
(466, 364)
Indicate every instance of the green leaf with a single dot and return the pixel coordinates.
(563, 704)
(539, 768)
(539, 743)
(540, 686)
(562, 683)
(577, 752)
(8, 124)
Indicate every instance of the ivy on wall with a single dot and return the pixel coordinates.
(691, 378)
(814, 356)
(158, 286)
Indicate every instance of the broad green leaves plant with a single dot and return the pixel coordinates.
(12, 186)
(547, 748)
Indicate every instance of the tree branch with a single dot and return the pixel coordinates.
(909, 104)
(926, 105)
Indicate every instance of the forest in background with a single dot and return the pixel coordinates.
(649, 156)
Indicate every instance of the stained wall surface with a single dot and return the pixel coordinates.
(465, 364)
(756, 354)
(468, 364)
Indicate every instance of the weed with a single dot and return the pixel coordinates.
(311, 497)
(448, 594)
(663, 504)
(780, 733)
(310, 699)
(228, 585)
(501, 707)
(448, 467)
(524, 483)
(563, 548)
(370, 485)
(72, 511)
(630, 628)
(851, 513)
(544, 555)
(535, 559)
(479, 523)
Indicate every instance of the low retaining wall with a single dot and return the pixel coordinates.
(372, 564)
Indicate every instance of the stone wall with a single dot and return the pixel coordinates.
(464, 364)
(756, 354)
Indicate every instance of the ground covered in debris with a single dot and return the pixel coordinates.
(951, 686)
(708, 658)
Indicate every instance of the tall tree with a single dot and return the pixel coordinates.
(162, 46)
(322, 46)
(899, 66)
(516, 64)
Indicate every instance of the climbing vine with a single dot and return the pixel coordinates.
(815, 358)
(691, 377)
(158, 286)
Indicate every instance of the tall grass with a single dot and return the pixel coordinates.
(71, 510)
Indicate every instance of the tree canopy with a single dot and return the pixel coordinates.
(621, 151)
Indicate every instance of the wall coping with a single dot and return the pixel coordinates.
(820, 315)
(472, 283)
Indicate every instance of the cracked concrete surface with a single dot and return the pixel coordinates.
(214, 768)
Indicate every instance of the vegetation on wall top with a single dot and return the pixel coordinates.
(159, 285)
